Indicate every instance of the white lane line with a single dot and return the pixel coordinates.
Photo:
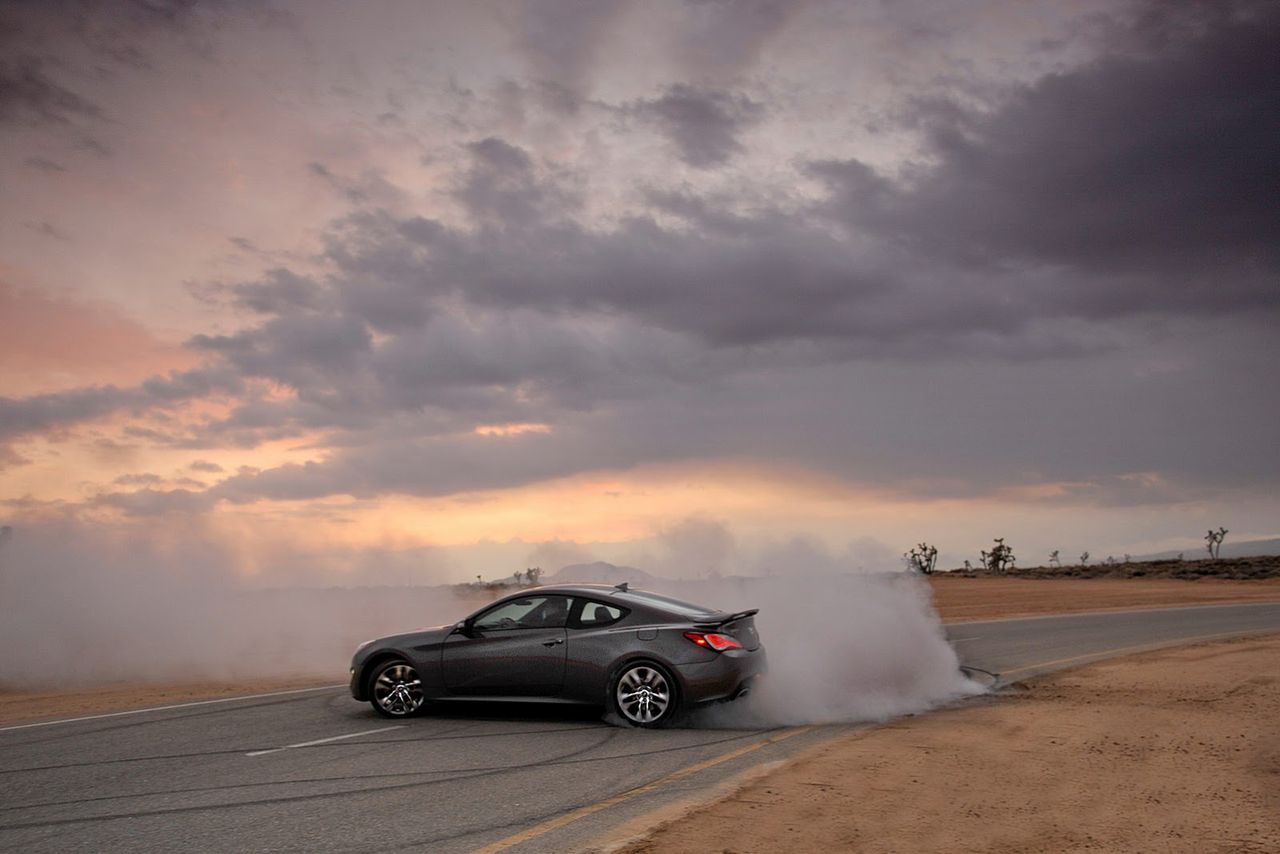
(962, 640)
(174, 706)
(324, 740)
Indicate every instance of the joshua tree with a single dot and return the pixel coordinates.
(517, 575)
(1180, 557)
(922, 557)
(1126, 557)
(1213, 541)
(1084, 558)
(1000, 558)
(533, 573)
(1053, 558)
(967, 565)
(1111, 560)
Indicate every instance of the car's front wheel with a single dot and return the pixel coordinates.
(644, 695)
(395, 690)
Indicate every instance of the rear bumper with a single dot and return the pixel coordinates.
(723, 677)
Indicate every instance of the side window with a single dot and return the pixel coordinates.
(527, 612)
(594, 615)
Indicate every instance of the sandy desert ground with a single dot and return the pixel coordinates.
(956, 598)
(1173, 751)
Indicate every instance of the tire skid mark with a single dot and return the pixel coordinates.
(311, 780)
(574, 757)
(567, 757)
(447, 736)
(462, 774)
(62, 735)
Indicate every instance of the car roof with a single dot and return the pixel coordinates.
(646, 599)
(583, 588)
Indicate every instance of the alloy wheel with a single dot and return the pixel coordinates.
(643, 695)
(397, 690)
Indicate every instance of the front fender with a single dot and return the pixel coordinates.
(424, 658)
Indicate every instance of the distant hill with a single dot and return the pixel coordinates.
(1248, 548)
(600, 571)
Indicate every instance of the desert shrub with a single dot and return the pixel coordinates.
(1213, 542)
(1000, 558)
(923, 558)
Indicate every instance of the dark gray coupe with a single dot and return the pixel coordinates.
(644, 655)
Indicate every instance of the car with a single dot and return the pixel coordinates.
(646, 656)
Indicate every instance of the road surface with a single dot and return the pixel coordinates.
(315, 771)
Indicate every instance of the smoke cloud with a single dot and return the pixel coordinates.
(842, 648)
(84, 606)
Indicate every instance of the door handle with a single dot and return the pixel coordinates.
(553, 642)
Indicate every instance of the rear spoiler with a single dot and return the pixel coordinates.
(728, 618)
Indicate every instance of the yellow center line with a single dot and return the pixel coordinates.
(582, 812)
(1113, 652)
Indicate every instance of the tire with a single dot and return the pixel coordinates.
(645, 695)
(395, 690)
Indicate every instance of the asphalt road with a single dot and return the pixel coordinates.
(316, 771)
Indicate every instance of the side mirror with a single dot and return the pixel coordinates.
(460, 628)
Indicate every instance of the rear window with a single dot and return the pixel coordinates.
(666, 603)
(595, 615)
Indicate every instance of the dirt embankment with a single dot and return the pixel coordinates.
(1170, 751)
(992, 597)
(1254, 568)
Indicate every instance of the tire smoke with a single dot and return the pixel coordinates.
(88, 606)
(83, 606)
(842, 648)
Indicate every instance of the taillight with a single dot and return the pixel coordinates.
(712, 640)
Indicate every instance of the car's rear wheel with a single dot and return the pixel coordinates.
(644, 694)
(395, 689)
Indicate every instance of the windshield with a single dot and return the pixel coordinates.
(684, 609)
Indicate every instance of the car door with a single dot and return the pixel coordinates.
(516, 648)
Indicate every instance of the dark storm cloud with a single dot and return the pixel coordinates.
(44, 164)
(28, 95)
(704, 125)
(1151, 176)
(53, 47)
(155, 502)
(59, 410)
(749, 279)
(350, 190)
(142, 479)
(503, 187)
(47, 229)
(276, 292)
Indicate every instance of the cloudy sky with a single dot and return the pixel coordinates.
(411, 291)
